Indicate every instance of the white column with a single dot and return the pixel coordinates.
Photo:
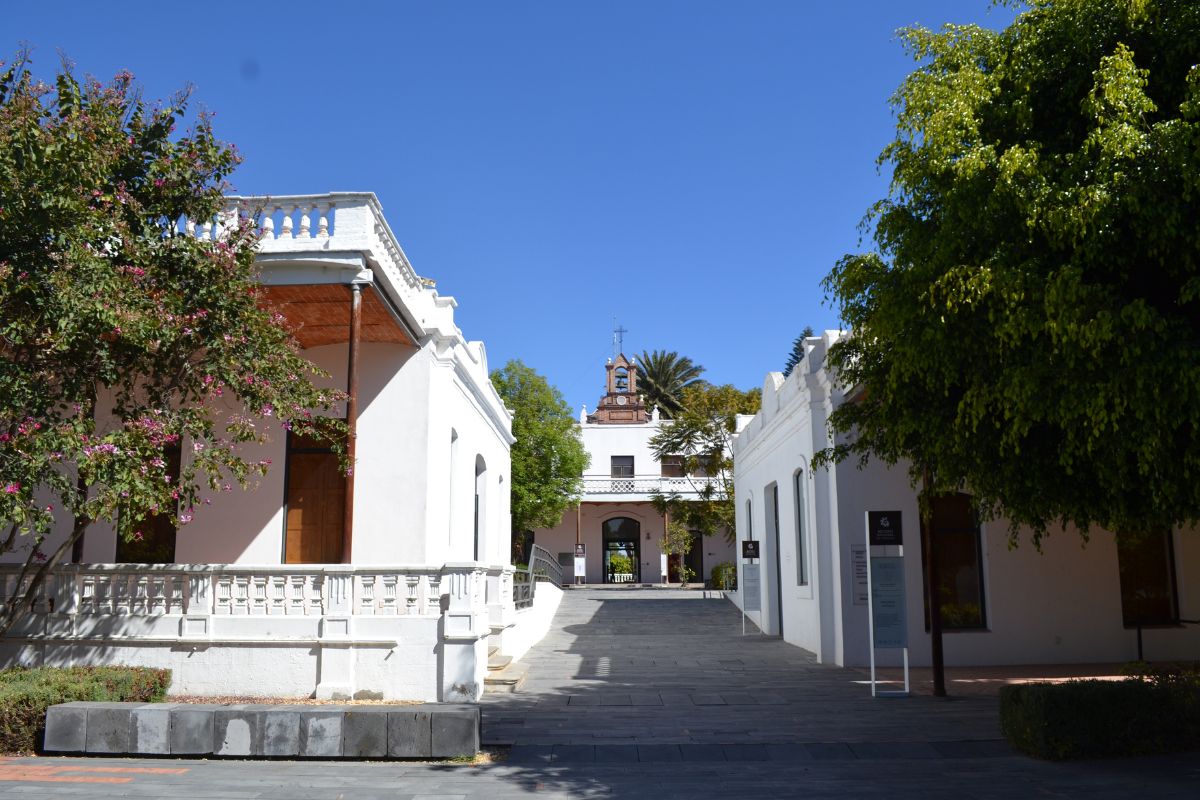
(464, 632)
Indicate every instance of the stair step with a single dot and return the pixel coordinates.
(506, 680)
(492, 651)
(498, 662)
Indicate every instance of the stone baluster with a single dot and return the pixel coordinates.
(189, 227)
(257, 599)
(305, 225)
(296, 598)
(268, 227)
(412, 596)
(286, 230)
(205, 230)
(316, 589)
(366, 594)
(337, 594)
(323, 222)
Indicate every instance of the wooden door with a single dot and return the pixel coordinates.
(316, 502)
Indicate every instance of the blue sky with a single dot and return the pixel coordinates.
(690, 168)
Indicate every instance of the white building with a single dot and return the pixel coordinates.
(616, 523)
(390, 580)
(1070, 604)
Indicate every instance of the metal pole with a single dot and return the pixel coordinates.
(351, 418)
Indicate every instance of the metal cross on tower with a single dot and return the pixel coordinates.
(618, 339)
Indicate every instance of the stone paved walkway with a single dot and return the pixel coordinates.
(659, 669)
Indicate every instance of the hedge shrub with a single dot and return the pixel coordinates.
(25, 694)
(724, 576)
(1101, 719)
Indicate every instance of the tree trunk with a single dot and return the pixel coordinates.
(932, 602)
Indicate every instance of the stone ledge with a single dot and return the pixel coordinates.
(431, 730)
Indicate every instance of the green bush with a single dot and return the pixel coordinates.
(1101, 719)
(25, 694)
(724, 576)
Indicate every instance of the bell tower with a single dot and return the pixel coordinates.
(621, 404)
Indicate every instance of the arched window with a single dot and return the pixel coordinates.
(798, 486)
(450, 488)
(480, 502)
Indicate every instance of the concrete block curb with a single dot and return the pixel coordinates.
(264, 731)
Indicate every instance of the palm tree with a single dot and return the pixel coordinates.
(661, 378)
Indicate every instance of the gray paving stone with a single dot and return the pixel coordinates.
(280, 733)
(192, 730)
(410, 733)
(530, 754)
(108, 729)
(365, 734)
(321, 734)
(894, 750)
(616, 753)
(703, 753)
(659, 752)
(974, 749)
(791, 753)
(66, 728)
(746, 752)
(708, 699)
(824, 751)
(574, 753)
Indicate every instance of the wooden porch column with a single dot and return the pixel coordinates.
(351, 418)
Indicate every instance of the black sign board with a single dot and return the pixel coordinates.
(579, 551)
(750, 549)
(883, 528)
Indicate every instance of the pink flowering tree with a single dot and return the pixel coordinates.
(121, 337)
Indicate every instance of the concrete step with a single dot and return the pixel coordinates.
(492, 651)
(506, 680)
(498, 662)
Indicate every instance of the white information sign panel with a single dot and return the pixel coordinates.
(580, 561)
(887, 602)
(751, 588)
(858, 556)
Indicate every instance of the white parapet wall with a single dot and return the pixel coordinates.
(533, 623)
(394, 633)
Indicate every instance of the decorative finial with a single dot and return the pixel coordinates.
(583, 414)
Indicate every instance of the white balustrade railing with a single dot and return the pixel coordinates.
(233, 590)
(644, 484)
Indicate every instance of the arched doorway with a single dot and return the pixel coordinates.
(622, 550)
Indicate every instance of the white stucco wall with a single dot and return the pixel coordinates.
(1062, 605)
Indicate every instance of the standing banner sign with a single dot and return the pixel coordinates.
(887, 604)
(751, 582)
(580, 562)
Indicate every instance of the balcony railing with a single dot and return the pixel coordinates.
(644, 484)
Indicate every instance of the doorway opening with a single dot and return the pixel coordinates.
(622, 550)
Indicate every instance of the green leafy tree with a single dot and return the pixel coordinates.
(1027, 327)
(548, 458)
(797, 354)
(677, 543)
(700, 435)
(662, 378)
(121, 336)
